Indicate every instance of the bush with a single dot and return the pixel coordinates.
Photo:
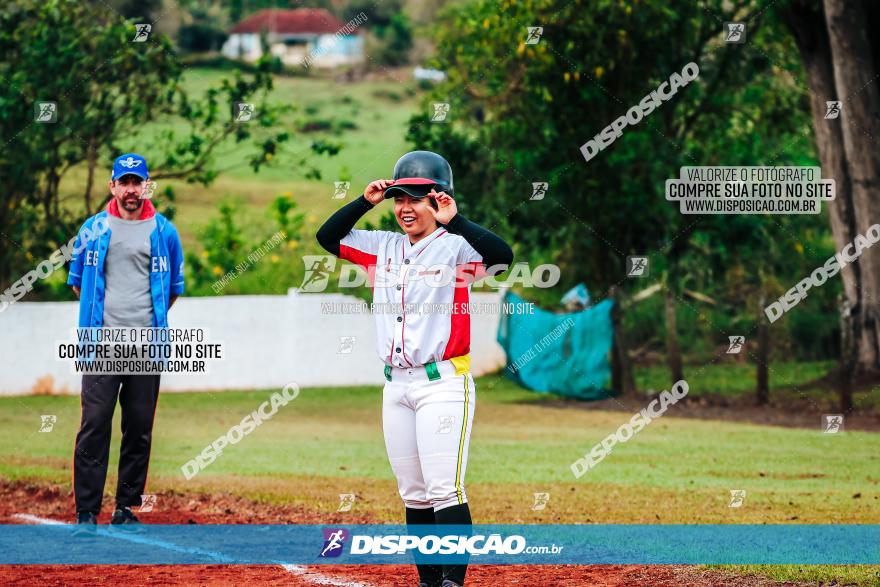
(232, 263)
(395, 41)
(201, 37)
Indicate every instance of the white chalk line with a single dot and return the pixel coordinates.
(123, 535)
(320, 579)
(303, 572)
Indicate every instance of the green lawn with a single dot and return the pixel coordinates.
(329, 441)
(369, 151)
(734, 378)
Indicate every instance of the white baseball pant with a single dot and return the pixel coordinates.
(427, 426)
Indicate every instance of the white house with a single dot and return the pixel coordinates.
(303, 36)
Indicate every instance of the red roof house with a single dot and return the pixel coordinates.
(297, 21)
(301, 36)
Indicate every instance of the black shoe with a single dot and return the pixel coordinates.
(124, 516)
(448, 583)
(86, 524)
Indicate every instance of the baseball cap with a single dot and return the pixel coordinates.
(130, 163)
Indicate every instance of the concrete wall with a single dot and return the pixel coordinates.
(269, 341)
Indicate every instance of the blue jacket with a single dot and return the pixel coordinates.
(87, 270)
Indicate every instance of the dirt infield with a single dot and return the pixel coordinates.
(49, 502)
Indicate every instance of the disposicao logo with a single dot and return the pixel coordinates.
(334, 540)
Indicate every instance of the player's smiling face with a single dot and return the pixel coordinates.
(128, 190)
(414, 217)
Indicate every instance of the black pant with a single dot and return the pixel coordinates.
(137, 395)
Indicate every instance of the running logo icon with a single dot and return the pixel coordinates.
(340, 189)
(535, 33)
(636, 266)
(346, 345)
(346, 501)
(832, 423)
(446, 424)
(541, 501)
(45, 112)
(47, 423)
(736, 32)
(737, 497)
(148, 502)
(149, 190)
(243, 112)
(736, 344)
(832, 110)
(334, 539)
(318, 270)
(539, 189)
(142, 32)
(441, 109)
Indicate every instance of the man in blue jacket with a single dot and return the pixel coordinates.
(129, 276)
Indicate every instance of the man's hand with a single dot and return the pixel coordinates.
(375, 191)
(446, 207)
(76, 290)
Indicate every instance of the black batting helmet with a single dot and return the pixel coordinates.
(418, 172)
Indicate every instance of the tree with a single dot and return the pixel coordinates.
(841, 64)
(395, 41)
(106, 88)
(519, 113)
(539, 103)
(673, 351)
(205, 32)
(390, 26)
(142, 10)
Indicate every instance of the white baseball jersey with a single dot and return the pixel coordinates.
(421, 316)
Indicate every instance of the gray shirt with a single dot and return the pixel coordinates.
(127, 299)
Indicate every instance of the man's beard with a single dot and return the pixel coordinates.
(131, 204)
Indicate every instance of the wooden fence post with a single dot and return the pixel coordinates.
(762, 358)
(847, 356)
(621, 366)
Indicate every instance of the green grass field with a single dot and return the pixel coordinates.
(329, 441)
(378, 110)
(735, 379)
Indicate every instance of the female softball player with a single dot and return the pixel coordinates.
(421, 281)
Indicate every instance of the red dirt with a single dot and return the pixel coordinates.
(173, 508)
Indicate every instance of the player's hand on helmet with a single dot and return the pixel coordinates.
(375, 191)
(446, 208)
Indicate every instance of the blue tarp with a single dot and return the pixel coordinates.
(567, 354)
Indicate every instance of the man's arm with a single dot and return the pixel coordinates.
(173, 299)
(175, 250)
(75, 271)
